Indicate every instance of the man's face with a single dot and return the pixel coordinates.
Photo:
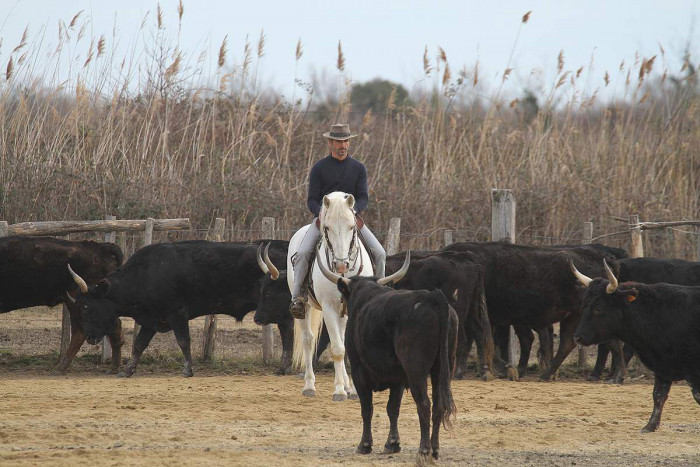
(339, 149)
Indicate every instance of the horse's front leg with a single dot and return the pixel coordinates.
(349, 386)
(333, 323)
(308, 343)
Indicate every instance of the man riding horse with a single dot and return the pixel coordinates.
(335, 172)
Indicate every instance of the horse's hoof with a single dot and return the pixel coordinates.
(353, 396)
(339, 397)
(309, 392)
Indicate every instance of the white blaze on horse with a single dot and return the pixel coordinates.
(341, 251)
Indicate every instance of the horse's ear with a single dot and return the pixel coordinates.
(350, 199)
(326, 201)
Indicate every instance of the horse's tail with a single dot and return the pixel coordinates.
(446, 357)
(316, 317)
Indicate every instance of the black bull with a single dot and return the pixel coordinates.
(533, 287)
(660, 321)
(163, 286)
(647, 271)
(34, 272)
(396, 339)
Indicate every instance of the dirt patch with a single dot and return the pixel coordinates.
(235, 412)
(261, 420)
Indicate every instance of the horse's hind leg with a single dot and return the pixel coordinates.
(308, 342)
(349, 386)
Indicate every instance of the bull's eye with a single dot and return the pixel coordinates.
(597, 311)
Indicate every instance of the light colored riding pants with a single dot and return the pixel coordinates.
(306, 251)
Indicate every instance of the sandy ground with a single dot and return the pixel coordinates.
(234, 413)
(264, 420)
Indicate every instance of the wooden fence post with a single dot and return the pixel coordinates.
(449, 239)
(503, 230)
(65, 328)
(110, 237)
(393, 237)
(637, 247)
(210, 321)
(147, 240)
(583, 351)
(268, 338)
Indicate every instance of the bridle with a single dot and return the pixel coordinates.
(352, 253)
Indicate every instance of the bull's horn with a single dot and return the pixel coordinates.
(78, 280)
(585, 280)
(261, 263)
(274, 272)
(331, 276)
(612, 286)
(70, 298)
(398, 275)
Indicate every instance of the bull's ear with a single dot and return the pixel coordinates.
(102, 287)
(630, 295)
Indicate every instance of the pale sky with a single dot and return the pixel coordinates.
(387, 38)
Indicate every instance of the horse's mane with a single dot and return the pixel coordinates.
(337, 210)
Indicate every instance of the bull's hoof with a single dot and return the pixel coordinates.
(392, 447)
(353, 396)
(615, 379)
(340, 397)
(309, 392)
(593, 377)
(460, 375)
(188, 373)
(58, 371)
(649, 429)
(284, 370)
(364, 448)
(112, 371)
(512, 374)
(436, 454)
(125, 373)
(487, 376)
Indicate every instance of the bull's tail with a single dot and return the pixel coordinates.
(446, 358)
(316, 317)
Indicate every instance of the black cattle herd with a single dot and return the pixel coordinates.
(398, 334)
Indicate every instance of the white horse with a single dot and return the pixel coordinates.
(340, 251)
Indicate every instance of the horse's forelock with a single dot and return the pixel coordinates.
(337, 211)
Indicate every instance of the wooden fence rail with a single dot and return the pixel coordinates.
(68, 227)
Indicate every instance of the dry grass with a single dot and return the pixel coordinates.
(86, 135)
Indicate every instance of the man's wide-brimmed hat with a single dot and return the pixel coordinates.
(339, 131)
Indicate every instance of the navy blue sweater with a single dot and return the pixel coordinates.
(329, 175)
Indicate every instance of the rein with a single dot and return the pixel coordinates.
(349, 258)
